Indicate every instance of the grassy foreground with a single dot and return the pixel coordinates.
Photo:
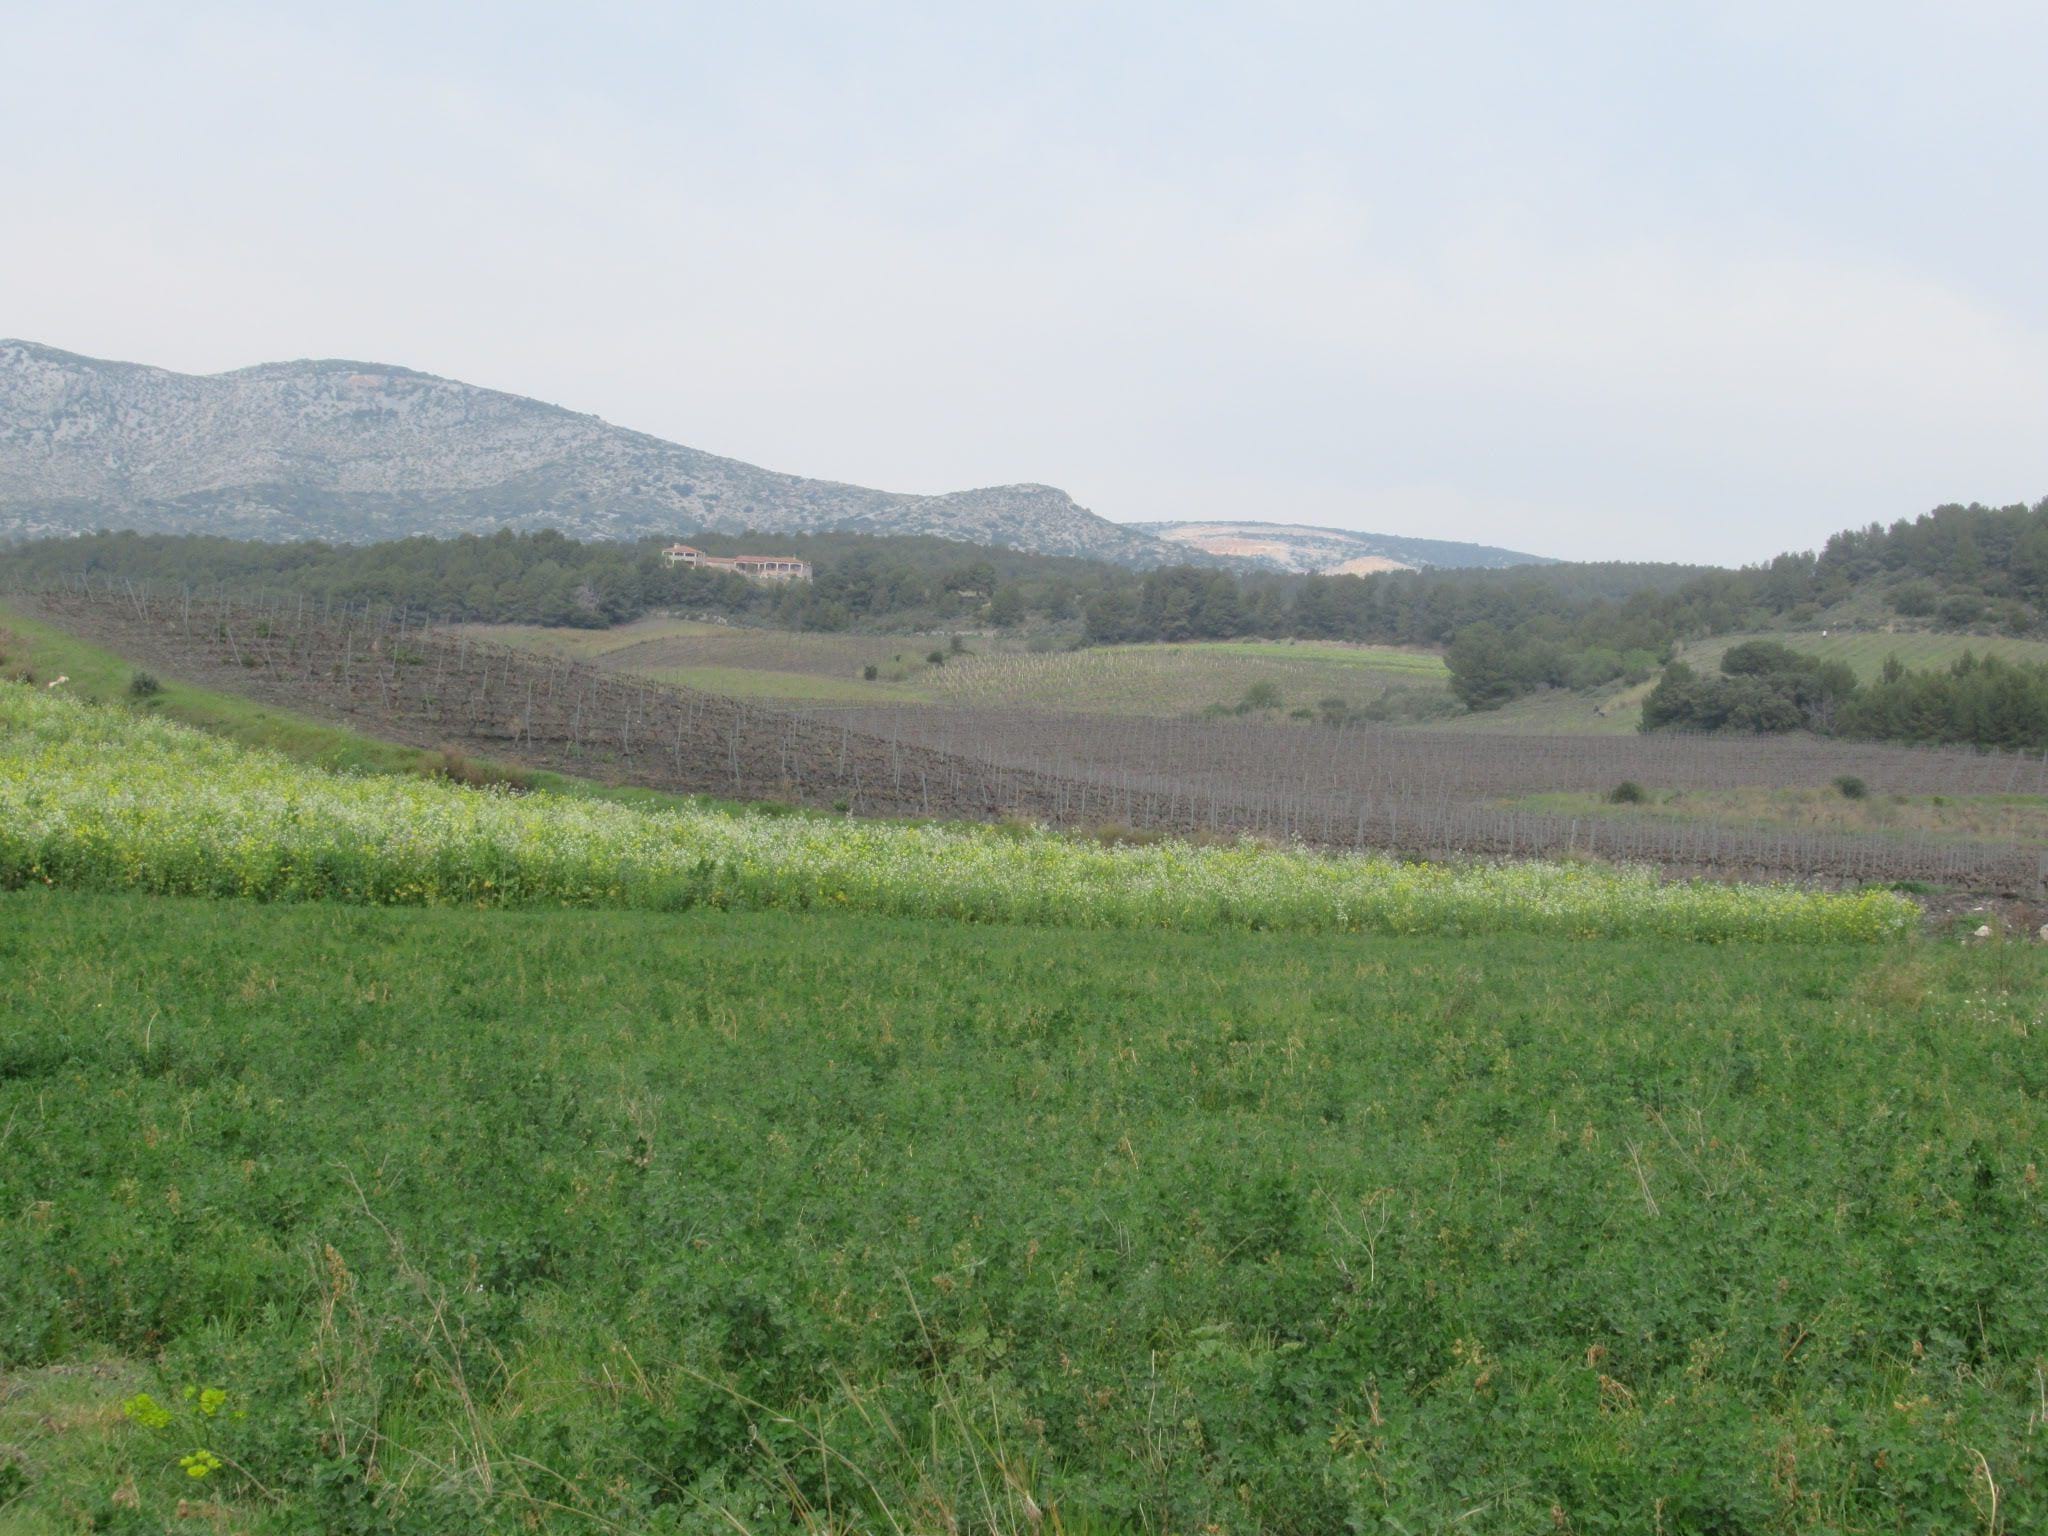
(610, 1221)
(100, 798)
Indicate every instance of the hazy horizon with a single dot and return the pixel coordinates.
(1700, 284)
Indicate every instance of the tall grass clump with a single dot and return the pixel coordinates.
(103, 799)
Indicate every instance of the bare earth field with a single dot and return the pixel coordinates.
(2020, 819)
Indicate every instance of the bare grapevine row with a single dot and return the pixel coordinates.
(1399, 791)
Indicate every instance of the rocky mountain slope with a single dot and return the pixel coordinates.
(1290, 547)
(351, 451)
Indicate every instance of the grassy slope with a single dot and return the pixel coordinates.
(1129, 679)
(1185, 679)
(27, 643)
(1230, 1232)
(97, 673)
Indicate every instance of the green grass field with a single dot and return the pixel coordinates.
(997, 673)
(1172, 680)
(775, 1222)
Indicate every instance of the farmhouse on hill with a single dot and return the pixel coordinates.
(753, 567)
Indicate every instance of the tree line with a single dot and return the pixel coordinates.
(1983, 701)
(1509, 631)
(546, 578)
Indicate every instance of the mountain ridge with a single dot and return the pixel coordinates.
(346, 449)
(350, 451)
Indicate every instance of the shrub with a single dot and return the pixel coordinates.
(1915, 599)
(1627, 792)
(1406, 703)
(144, 686)
(1764, 687)
(936, 657)
(457, 767)
(1851, 787)
(1262, 695)
(1960, 611)
(870, 672)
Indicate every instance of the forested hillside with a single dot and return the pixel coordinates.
(1967, 569)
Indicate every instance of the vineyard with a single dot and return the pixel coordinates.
(1406, 792)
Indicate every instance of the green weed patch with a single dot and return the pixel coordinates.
(571, 1221)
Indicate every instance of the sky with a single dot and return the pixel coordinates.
(1606, 281)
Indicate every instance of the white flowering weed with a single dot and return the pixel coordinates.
(101, 798)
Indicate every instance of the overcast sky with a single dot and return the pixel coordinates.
(1688, 281)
